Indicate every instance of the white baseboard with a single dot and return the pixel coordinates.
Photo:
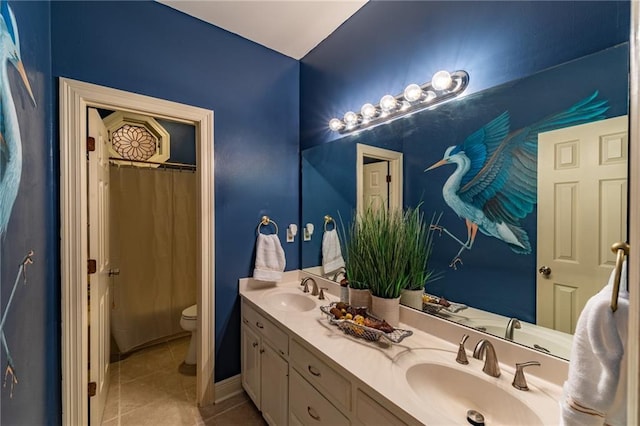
(227, 388)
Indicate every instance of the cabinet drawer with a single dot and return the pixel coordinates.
(370, 412)
(308, 407)
(319, 374)
(268, 330)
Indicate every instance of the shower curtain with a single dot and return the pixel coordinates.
(153, 243)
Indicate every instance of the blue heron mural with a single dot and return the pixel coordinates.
(10, 148)
(494, 185)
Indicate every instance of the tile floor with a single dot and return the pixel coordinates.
(147, 389)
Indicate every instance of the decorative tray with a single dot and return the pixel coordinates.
(434, 305)
(349, 326)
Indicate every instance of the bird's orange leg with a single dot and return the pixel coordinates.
(472, 230)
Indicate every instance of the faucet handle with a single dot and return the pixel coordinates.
(461, 358)
(321, 297)
(306, 286)
(519, 381)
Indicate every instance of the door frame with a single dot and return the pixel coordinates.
(633, 259)
(395, 170)
(75, 97)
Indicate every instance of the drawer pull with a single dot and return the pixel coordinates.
(254, 344)
(313, 371)
(259, 325)
(261, 351)
(244, 320)
(312, 413)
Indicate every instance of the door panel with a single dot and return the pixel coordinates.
(376, 187)
(99, 294)
(582, 205)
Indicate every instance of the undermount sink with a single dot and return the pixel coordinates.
(288, 301)
(453, 391)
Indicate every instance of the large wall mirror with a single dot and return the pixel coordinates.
(576, 113)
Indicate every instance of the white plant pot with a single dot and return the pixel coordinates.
(386, 309)
(360, 298)
(412, 298)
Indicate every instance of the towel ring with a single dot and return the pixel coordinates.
(327, 220)
(266, 222)
(621, 249)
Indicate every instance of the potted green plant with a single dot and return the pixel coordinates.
(376, 256)
(355, 264)
(420, 242)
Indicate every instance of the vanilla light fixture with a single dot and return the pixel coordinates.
(443, 86)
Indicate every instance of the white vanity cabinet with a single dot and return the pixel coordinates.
(265, 369)
(293, 383)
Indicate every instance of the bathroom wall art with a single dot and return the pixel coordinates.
(10, 162)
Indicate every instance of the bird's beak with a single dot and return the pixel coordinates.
(20, 67)
(438, 164)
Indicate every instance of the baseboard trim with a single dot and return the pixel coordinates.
(227, 388)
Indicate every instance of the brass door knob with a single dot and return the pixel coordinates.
(544, 270)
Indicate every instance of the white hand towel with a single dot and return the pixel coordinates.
(270, 261)
(596, 391)
(331, 253)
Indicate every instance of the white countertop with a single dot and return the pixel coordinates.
(382, 366)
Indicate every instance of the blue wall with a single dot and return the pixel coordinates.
(388, 44)
(33, 326)
(148, 48)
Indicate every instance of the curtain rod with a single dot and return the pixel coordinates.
(167, 164)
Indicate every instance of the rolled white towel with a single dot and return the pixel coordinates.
(270, 260)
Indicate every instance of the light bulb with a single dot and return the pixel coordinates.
(429, 96)
(412, 93)
(335, 124)
(388, 103)
(351, 118)
(368, 111)
(441, 80)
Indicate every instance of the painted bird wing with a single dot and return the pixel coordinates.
(505, 186)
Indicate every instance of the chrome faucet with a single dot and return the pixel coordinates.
(519, 381)
(491, 366)
(304, 282)
(513, 323)
(336, 274)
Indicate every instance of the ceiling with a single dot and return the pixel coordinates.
(291, 27)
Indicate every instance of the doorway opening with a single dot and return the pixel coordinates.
(378, 178)
(75, 98)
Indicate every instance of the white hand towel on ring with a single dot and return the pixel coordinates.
(331, 253)
(270, 260)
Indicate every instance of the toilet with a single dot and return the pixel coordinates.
(189, 322)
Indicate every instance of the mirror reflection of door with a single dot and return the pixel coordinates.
(582, 210)
(378, 178)
(376, 183)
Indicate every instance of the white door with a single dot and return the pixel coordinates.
(99, 300)
(582, 211)
(376, 187)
